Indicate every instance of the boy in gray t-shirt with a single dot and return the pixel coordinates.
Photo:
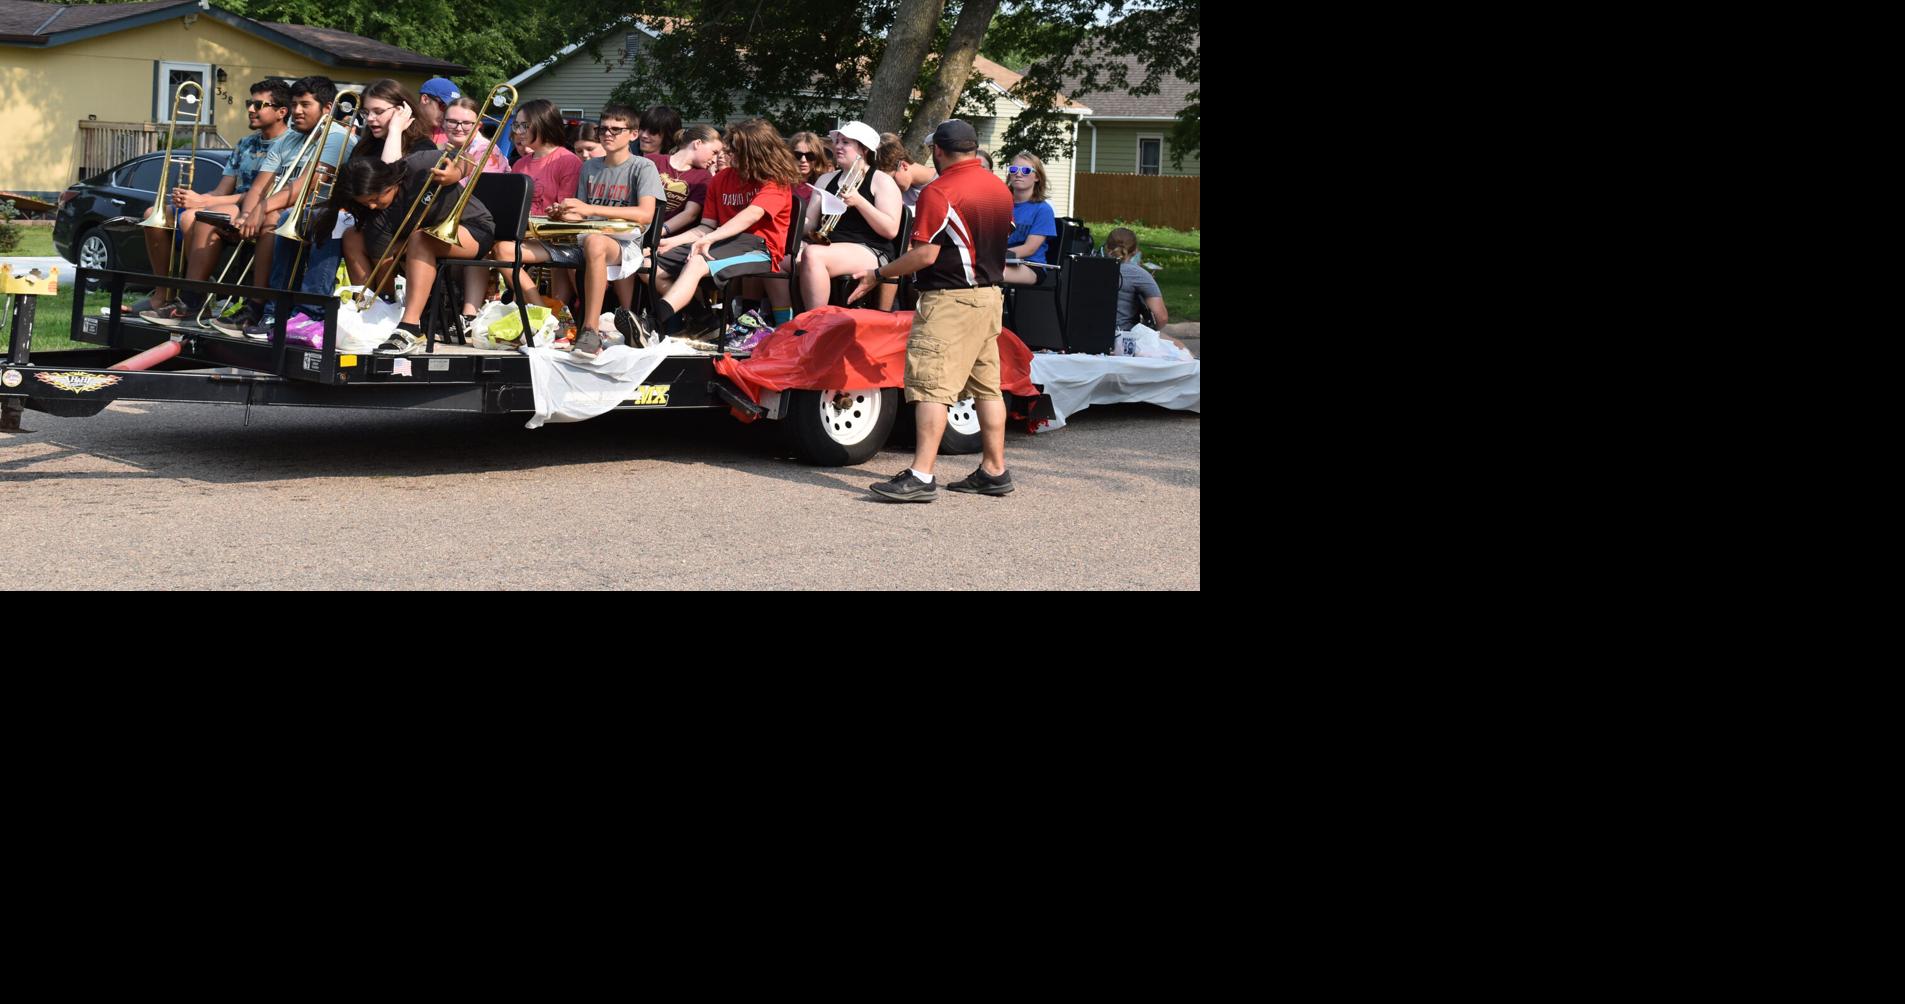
(618, 186)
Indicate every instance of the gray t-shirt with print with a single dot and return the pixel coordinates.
(621, 185)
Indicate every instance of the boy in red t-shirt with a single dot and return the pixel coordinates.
(751, 205)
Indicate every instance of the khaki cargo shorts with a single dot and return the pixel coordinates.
(952, 352)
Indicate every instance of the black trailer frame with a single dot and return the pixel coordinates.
(214, 368)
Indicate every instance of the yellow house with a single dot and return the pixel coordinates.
(84, 87)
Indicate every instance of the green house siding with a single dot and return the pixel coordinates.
(1118, 148)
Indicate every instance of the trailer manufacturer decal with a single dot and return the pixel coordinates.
(313, 362)
(78, 383)
(12, 379)
(90, 325)
(651, 394)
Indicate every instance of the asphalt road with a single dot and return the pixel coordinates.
(172, 496)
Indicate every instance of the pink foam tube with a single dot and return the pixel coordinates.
(151, 357)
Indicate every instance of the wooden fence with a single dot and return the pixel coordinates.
(105, 144)
(1157, 200)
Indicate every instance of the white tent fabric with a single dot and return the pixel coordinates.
(1076, 382)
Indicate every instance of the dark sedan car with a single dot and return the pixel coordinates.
(126, 190)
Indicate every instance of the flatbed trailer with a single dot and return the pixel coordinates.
(830, 426)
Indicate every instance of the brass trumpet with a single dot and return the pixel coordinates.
(419, 210)
(165, 216)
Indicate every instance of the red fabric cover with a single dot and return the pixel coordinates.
(848, 348)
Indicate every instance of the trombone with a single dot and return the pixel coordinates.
(165, 216)
(413, 218)
(318, 134)
(321, 179)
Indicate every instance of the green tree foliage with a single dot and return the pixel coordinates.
(496, 39)
(1065, 46)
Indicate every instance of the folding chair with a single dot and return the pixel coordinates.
(507, 198)
(843, 284)
(786, 275)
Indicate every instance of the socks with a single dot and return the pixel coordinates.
(928, 478)
(781, 315)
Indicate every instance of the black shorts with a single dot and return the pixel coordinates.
(738, 256)
(561, 255)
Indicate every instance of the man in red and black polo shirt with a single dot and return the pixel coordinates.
(952, 352)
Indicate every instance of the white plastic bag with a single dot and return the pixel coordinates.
(363, 331)
(1141, 340)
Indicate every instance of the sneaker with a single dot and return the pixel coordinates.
(259, 330)
(904, 487)
(238, 327)
(633, 330)
(400, 343)
(588, 344)
(981, 483)
(172, 314)
(138, 309)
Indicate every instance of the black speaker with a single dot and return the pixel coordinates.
(1032, 314)
(1088, 303)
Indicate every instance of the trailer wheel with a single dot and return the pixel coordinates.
(962, 430)
(840, 428)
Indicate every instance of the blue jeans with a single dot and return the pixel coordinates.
(320, 270)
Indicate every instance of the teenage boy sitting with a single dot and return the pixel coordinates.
(265, 112)
(616, 186)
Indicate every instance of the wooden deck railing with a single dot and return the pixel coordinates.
(104, 144)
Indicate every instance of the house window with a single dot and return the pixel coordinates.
(1150, 155)
(571, 114)
(171, 75)
(630, 46)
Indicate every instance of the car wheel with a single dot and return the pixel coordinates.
(95, 251)
(840, 428)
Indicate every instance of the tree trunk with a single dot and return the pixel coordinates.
(955, 66)
(906, 45)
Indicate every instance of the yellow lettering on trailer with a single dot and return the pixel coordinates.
(651, 395)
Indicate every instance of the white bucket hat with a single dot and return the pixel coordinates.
(861, 132)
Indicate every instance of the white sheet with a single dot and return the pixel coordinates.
(1076, 382)
(573, 390)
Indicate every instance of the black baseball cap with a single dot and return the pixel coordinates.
(956, 136)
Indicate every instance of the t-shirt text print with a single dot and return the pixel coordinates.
(621, 185)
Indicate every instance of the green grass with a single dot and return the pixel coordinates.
(1181, 278)
(53, 320)
(35, 242)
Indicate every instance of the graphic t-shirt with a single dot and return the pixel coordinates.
(728, 194)
(621, 184)
(683, 187)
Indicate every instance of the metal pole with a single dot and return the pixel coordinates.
(19, 345)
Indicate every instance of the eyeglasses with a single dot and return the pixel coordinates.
(252, 105)
(1016, 169)
(611, 130)
(454, 124)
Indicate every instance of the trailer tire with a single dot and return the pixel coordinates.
(962, 430)
(825, 434)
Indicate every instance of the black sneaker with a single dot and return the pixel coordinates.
(634, 332)
(981, 483)
(905, 488)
